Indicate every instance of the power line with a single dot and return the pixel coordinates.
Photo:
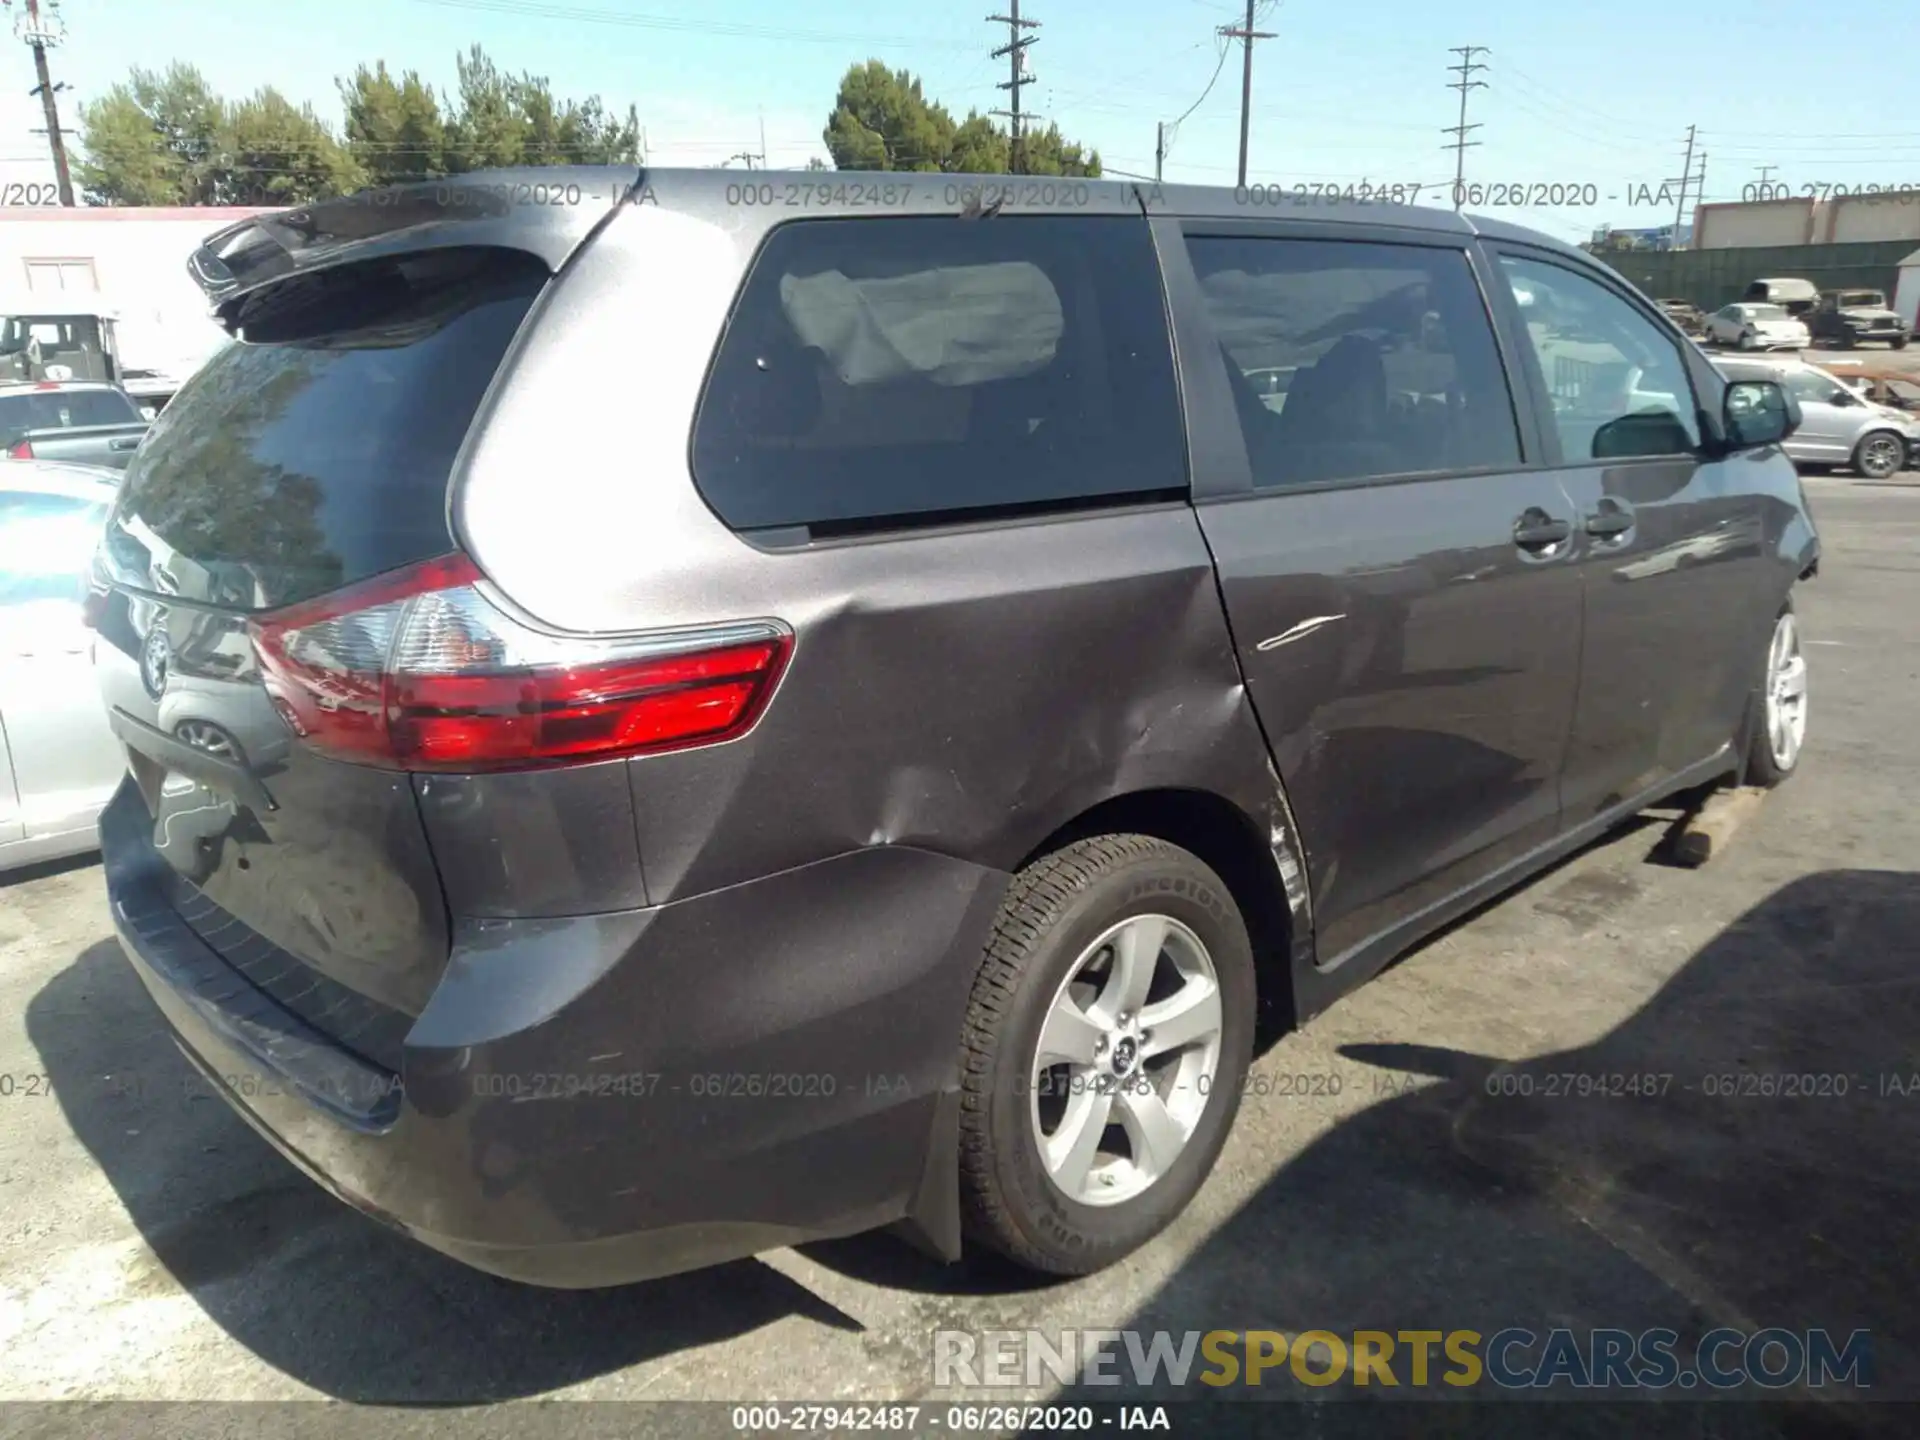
(1246, 35)
(41, 31)
(729, 29)
(1016, 52)
(1168, 133)
(1466, 69)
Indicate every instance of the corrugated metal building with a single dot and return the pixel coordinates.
(1712, 278)
(1808, 220)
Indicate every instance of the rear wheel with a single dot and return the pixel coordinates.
(1780, 728)
(1879, 454)
(1109, 1033)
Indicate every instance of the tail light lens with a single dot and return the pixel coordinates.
(417, 670)
(21, 451)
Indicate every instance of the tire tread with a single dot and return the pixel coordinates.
(1035, 899)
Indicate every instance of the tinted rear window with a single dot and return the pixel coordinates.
(880, 371)
(317, 451)
(63, 410)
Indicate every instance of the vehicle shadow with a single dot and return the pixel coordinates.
(332, 1299)
(1480, 1194)
(45, 869)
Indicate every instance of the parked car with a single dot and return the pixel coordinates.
(1756, 327)
(59, 763)
(1895, 389)
(1838, 426)
(77, 423)
(1684, 313)
(1796, 297)
(887, 787)
(1846, 318)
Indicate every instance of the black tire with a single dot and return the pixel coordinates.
(1055, 909)
(1879, 454)
(1898, 344)
(1764, 769)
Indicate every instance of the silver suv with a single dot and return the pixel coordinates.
(1838, 425)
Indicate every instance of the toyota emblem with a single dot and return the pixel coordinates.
(155, 657)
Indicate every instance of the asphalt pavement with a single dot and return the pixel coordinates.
(1407, 1162)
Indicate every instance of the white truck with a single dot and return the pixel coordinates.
(79, 337)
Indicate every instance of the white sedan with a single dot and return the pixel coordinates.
(59, 762)
(1756, 327)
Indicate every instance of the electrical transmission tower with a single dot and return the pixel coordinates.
(1016, 52)
(1685, 182)
(1466, 70)
(37, 23)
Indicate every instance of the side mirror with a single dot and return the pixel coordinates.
(1843, 396)
(1758, 412)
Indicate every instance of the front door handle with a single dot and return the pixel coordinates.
(1611, 519)
(1537, 530)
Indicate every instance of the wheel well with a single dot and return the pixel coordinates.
(1235, 848)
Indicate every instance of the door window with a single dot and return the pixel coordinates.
(879, 372)
(1618, 385)
(1809, 388)
(1352, 360)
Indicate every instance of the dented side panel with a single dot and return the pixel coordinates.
(968, 689)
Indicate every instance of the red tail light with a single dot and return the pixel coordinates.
(22, 451)
(419, 670)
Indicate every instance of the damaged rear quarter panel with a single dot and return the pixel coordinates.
(966, 690)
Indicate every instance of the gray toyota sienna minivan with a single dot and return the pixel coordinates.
(673, 714)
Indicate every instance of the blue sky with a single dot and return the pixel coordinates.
(1598, 95)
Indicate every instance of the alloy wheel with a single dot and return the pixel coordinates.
(1126, 1060)
(1786, 694)
(1880, 456)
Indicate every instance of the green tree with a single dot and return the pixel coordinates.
(883, 120)
(1048, 152)
(153, 139)
(276, 154)
(394, 130)
(488, 128)
(979, 148)
(167, 139)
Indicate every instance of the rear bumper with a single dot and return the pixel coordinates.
(601, 1099)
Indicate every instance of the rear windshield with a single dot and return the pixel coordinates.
(883, 371)
(62, 410)
(316, 451)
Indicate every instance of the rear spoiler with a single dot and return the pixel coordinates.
(545, 212)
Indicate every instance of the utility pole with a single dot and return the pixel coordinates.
(1699, 197)
(1016, 52)
(1466, 69)
(1159, 148)
(41, 32)
(1246, 35)
(1686, 178)
(746, 155)
(763, 139)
